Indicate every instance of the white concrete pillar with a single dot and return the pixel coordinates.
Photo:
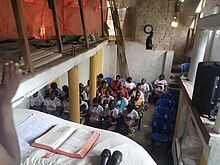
(198, 52)
(209, 45)
(217, 123)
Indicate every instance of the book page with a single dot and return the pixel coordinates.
(76, 141)
(56, 136)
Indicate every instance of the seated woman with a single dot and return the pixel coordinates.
(121, 102)
(129, 85)
(160, 86)
(64, 92)
(121, 89)
(131, 120)
(53, 104)
(95, 113)
(116, 83)
(37, 102)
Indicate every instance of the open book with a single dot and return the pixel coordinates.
(67, 140)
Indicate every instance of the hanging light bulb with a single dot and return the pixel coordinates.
(174, 23)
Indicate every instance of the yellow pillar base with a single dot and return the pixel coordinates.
(73, 77)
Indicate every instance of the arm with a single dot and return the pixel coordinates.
(9, 149)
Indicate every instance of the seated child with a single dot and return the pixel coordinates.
(160, 85)
(37, 102)
(137, 89)
(116, 83)
(83, 93)
(64, 92)
(96, 111)
(54, 87)
(129, 85)
(53, 104)
(121, 102)
(65, 107)
(100, 78)
(131, 120)
(121, 89)
(113, 112)
(107, 97)
(103, 88)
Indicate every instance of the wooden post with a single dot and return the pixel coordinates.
(23, 39)
(52, 6)
(73, 77)
(83, 22)
(102, 21)
(92, 78)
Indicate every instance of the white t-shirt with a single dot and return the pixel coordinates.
(133, 115)
(66, 106)
(160, 83)
(52, 104)
(84, 95)
(96, 112)
(109, 98)
(86, 105)
(134, 94)
(145, 88)
(37, 101)
(130, 86)
(115, 113)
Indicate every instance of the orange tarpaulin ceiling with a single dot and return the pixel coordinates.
(39, 21)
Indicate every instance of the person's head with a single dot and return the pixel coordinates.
(117, 77)
(138, 95)
(65, 88)
(138, 86)
(88, 82)
(143, 81)
(104, 83)
(53, 86)
(111, 104)
(82, 107)
(81, 87)
(100, 76)
(35, 94)
(129, 79)
(161, 77)
(52, 95)
(130, 107)
(105, 102)
(95, 102)
(122, 85)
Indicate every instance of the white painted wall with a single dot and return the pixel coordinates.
(84, 72)
(110, 60)
(215, 54)
(141, 62)
(147, 64)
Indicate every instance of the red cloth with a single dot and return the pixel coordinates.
(38, 18)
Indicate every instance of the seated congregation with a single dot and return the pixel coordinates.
(118, 106)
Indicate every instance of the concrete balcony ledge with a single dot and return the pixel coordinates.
(45, 75)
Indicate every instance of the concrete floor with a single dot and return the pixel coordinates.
(160, 154)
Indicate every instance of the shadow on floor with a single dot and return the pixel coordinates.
(160, 154)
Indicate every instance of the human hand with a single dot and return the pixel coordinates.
(10, 81)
